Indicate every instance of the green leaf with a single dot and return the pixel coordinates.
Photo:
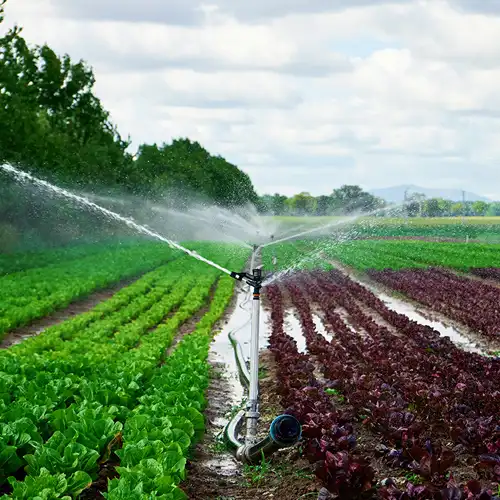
(9, 461)
(78, 482)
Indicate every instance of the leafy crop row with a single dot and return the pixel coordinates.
(65, 395)
(454, 255)
(471, 302)
(32, 294)
(425, 366)
(383, 254)
(355, 256)
(168, 420)
(328, 435)
(22, 261)
(492, 273)
(406, 387)
(298, 255)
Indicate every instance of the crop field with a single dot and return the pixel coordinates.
(109, 402)
(105, 380)
(485, 229)
(378, 390)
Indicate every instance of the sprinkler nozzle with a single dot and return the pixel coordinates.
(254, 279)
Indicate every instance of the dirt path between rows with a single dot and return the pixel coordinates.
(377, 288)
(215, 475)
(190, 324)
(81, 306)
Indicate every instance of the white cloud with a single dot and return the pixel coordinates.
(304, 95)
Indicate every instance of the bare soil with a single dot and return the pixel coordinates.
(81, 306)
(215, 475)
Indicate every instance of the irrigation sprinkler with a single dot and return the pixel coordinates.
(285, 430)
(252, 414)
(274, 258)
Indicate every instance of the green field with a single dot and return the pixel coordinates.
(105, 382)
(102, 380)
(485, 229)
(381, 254)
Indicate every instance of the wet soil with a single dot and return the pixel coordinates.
(370, 444)
(463, 336)
(81, 306)
(215, 475)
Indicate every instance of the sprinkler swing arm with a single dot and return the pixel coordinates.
(285, 430)
(254, 280)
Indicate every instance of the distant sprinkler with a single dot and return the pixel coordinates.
(275, 260)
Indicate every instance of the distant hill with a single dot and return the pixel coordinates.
(396, 194)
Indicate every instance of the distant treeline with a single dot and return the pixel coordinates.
(418, 205)
(350, 199)
(344, 200)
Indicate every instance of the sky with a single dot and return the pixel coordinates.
(303, 95)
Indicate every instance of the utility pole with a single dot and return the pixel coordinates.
(463, 207)
(463, 215)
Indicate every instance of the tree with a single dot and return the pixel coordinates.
(479, 208)
(414, 204)
(52, 124)
(349, 198)
(494, 209)
(187, 169)
(324, 205)
(445, 207)
(457, 209)
(432, 208)
(302, 204)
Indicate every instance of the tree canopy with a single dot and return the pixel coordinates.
(345, 200)
(53, 124)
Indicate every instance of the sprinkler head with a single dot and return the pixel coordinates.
(254, 279)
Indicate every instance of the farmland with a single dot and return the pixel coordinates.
(484, 229)
(108, 403)
(103, 380)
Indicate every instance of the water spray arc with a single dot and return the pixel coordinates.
(285, 430)
(85, 202)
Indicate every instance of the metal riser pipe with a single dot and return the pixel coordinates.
(285, 430)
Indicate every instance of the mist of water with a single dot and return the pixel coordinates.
(344, 220)
(84, 202)
(200, 226)
(196, 220)
(322, 246)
